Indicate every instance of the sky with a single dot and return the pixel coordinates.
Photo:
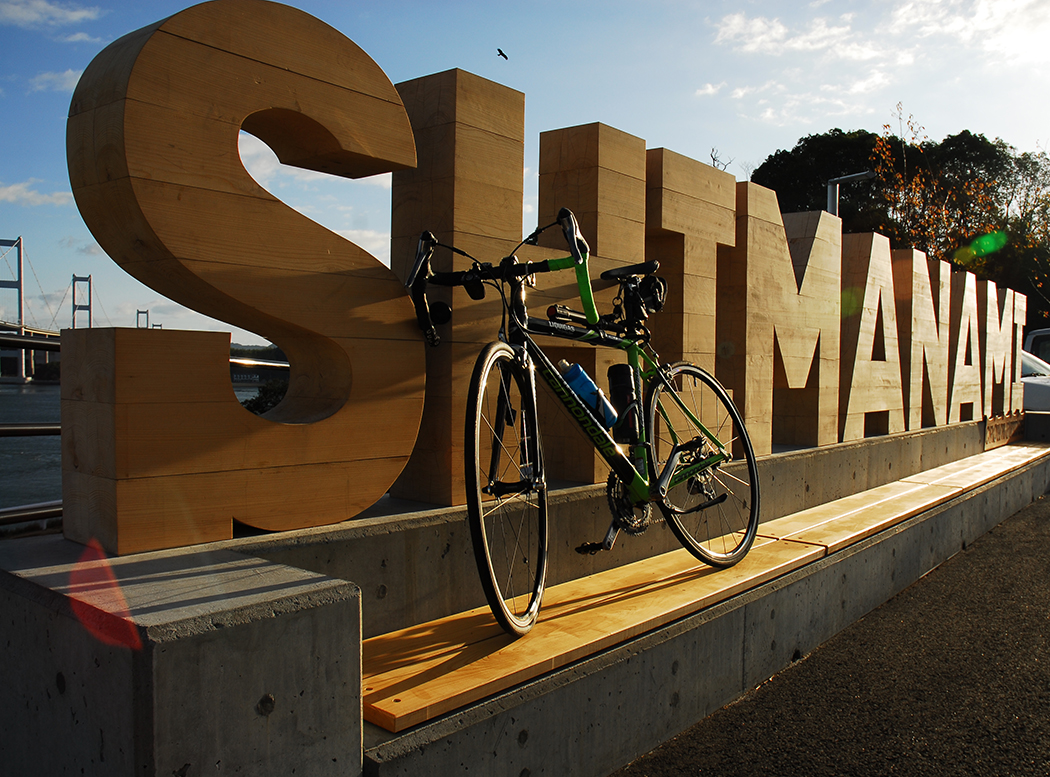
(734, 80)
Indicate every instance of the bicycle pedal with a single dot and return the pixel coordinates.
(590, 548)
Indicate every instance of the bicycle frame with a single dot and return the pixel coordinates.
(518, 327)
(642, 486)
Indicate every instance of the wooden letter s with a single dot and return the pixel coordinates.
(156, 450)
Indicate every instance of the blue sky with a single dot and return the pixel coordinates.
(745, 78)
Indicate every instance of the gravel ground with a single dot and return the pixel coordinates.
(951, 676)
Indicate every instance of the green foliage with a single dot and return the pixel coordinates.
(800, 176)
(268, 397)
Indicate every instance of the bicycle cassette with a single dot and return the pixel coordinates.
(628, 517)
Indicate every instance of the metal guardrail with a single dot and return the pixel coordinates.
(29, 342)
(30, 430)
(34, 512)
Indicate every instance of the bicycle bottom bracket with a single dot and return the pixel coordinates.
(629, 517)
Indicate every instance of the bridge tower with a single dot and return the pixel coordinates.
(78, 307)
(16, 284)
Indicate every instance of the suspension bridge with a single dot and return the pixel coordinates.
(26, 346)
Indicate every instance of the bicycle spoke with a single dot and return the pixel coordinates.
(506, 498)
(721, 532)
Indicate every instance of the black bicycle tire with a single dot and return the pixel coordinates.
(740, 486)
(490, 518)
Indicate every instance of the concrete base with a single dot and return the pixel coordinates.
(245, 655)
(234, 665)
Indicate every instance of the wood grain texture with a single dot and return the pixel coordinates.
(923, 291)
(467, 189)
(690, 211)
(995, 315)
(778, 344)
(965, 392)
(154, 162)
(870, 367)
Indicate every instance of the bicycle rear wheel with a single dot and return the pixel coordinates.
(506, 491)
(714, 511)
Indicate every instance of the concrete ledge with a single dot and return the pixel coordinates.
(182, 663)
(414, 563)
(598, 714)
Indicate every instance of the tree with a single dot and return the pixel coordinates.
(800, 176)
(974, 202)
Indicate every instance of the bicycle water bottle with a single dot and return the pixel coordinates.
(580, 382)
(624, 400)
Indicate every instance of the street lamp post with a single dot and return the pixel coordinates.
(833, 188)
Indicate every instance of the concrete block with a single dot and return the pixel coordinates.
(588, 719)
(175, 663)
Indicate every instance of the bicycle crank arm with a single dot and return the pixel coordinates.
(590, 548)
(709, 503)
(669, 468)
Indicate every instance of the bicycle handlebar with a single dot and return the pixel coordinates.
(577, 245)
(417, 286)
(472, 280)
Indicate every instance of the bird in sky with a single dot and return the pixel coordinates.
(500, 52)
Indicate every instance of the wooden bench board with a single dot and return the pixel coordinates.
(415, 674)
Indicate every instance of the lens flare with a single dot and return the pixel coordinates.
(97, 601)
(982, 246)
(852, 301)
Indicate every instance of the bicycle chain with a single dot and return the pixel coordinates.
(629, 518)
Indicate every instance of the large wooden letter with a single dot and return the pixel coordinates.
(923, 288)
(690, 209)
(778, 332)
(599, 173)
(965, 397)
(467, 190)
(870, 399)
(1020, 318)
(151, 459)
(995, 314)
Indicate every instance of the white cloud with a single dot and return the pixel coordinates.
(769, 86)
(81, 246)
(873, 82)
(263, 165)
(709, 90)
(37, 13)
(81, 37)
(757, 34)
(773, 37)
(24, 194)
(376, 243)
(1009, 30)
(55, 82)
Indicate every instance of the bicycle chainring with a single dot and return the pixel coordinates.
(629, 518)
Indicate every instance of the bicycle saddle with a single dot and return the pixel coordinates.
(645, 268)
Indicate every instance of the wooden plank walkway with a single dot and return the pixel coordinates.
(416, 674)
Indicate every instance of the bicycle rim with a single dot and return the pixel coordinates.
(713, 512)
(506, 495)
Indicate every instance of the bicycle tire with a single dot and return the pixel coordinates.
(505, 489)
(722, 533)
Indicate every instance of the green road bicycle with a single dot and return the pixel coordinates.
(671, 434)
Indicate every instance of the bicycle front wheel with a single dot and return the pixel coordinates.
(713, 511)
(506, 491)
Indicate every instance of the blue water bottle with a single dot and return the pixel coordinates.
(585, 388)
